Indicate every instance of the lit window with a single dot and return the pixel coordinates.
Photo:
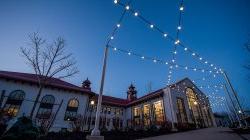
(14, 103)
(71, 110)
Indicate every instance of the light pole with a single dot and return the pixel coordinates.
(92, 103)
(96, 131)
(235, 95)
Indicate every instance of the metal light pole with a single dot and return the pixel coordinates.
(235, 95)
(234, 108)
(96, 131)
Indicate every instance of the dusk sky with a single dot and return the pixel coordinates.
(216, 29)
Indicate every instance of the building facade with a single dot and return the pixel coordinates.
(63, 103)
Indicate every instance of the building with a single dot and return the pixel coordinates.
(179, 103)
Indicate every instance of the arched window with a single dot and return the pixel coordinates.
(46, 106)
(71, 110)
(14, 102)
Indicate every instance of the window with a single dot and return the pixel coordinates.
(46, 106)
(137, 112)
(14, 103)
(193, 105)
(146, 114)
(181, 112)
(71, 110)
(159, 115)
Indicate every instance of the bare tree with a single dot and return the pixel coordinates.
(48, 60)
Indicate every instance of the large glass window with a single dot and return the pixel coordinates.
(71, 110)
(181, 112)
(137, 112)
(146, 114)
(14, 103)
(159, 114)
(46, 106)
(193, 105)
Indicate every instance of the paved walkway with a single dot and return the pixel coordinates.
(203, 134)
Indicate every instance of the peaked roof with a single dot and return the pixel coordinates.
(32, 78)
(57, 83)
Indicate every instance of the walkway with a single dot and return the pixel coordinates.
(203, 134)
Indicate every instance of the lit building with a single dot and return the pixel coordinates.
(179, 103)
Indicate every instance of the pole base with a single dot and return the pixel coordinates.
(89, 137)
(95, 132)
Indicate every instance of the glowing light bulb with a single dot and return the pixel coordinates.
(173, 60)
(195, 103)
(111, 37)
(115, 1)
(212, 65)
(115, 49)
(176, 66)
(166, 63)
(155, 61)
(185, 49)
(179, 27)
(177, 42)
(127, 7)
(175, 52)
(193, 54)
(205, 62)
(181, 8)
(165, 35)
(129, 53)
(203, 70)
(136, 14)
(200, 58)
(195, 69)
(118, 25)
(142, 57)
(186, 68)
(151, 26)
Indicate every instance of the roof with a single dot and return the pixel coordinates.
(57, 83)
(32, 78)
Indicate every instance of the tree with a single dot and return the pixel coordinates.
(48, 60)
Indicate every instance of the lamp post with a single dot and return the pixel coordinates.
(92, 103)
(96, 132)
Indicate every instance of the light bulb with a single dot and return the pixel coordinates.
(115, 1)
(127, 7)
(151, 26)
(136, 14)
(179, 27)
(165, 35)
(129, 53)
(155, 61)
(166, 63)
(181, 8)
(186, 68)
(111, 37)
(142, 57)
(185, 49)
(118, 25)
(177, 42)
(200, 58)
(205, 62)
(193, 54)
(175, 52)
(115, 49)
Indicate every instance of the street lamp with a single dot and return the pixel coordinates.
(195, 103)
(92, 103)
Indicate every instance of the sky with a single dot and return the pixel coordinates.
(216, 29)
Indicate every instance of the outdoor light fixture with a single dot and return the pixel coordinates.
(92, 102)
(165, 35)
(195, 103)
(118, 25)
(179, 27)
(151, 26)
(115, 1)
(136, 14)
(127, 7)
(181, 8)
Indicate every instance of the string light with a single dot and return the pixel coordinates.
(151, 26)
(181, 8)
(118, 25)
(111, 37)
(136, 14)
(165, 35)
(115, 1)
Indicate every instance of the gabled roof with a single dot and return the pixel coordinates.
(57, 83)
(32, 78)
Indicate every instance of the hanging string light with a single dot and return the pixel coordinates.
(176, 41)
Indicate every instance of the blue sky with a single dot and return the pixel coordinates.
(216, 29)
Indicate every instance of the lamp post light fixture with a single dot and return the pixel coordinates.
(92, 103)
